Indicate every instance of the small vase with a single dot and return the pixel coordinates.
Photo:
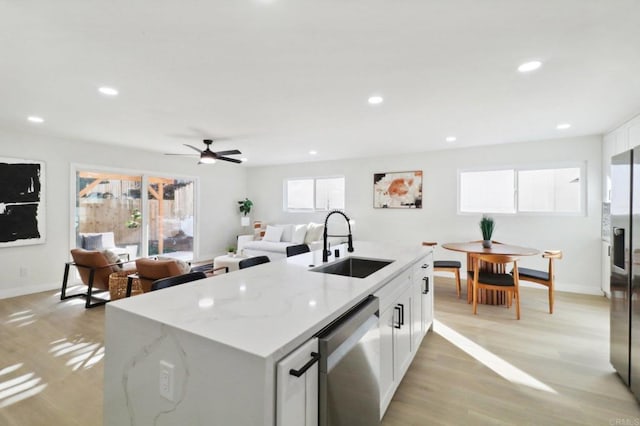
(486, 243)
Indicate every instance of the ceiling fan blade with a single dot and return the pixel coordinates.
(193, 147)
(232, 160)
(230, 152)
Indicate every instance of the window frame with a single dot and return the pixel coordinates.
(581, 165)
(144, 174)
(285, 194)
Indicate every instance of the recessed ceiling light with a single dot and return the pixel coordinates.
(244, 160)
(109, 91)
(375, 100)
(450, 139)
(313, 152)
(529, 66)
(34, 119)
(563, 126)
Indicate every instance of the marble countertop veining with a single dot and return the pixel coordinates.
(270, 309)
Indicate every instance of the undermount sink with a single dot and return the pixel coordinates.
(357, 267)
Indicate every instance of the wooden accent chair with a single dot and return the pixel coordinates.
(177, 280)
(452, 266)
(493, 276)
(297, 249)
(94, 269)
(150, 270)
(253, 261)
(546, 278)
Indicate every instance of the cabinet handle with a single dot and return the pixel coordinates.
(401, 313)
(426, 285)
(398, 324)
(314, 357)
(425, 266)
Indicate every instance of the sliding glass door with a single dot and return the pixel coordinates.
(171, 211)
(109, 212)
(113, 211)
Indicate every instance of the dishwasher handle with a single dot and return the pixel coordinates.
(315, 357)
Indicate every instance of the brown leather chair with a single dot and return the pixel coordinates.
(150, 270)
(545, 278)
(94, 269)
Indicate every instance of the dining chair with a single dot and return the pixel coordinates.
(546, 278)
(177, 280)
(446, 266)
(252, 261)
(297, 249)
(494, 277)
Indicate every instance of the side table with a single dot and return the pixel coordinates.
(228, 261)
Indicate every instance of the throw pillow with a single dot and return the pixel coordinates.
(299, 233)
(112, 258)
(92, 242)
(314, 232)
(287, 232)
(273, 234)
(183, 266)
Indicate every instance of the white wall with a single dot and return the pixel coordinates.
(221, 186)
(577, 236)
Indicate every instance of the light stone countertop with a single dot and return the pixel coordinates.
(270, 309)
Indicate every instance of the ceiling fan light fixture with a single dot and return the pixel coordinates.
(207, 160)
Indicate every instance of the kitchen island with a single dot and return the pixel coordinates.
(207, 352)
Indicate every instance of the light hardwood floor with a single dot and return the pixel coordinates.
(489, 369)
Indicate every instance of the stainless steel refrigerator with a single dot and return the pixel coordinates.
(625, 268)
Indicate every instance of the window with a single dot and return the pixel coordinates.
(131, 221)
(326, 193)
(541, 190)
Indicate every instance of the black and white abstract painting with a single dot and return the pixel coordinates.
(22, 207)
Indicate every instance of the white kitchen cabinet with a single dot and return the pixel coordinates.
(423, 299)
(297, 397)
(395, 344)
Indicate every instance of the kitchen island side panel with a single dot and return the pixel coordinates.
(212, 385)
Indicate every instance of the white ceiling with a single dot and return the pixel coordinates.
(282, 77)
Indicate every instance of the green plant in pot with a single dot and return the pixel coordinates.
(231, 250)
(245, 206)
(486, 226)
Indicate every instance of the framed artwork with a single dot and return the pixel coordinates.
(397, 190)
(22, 203)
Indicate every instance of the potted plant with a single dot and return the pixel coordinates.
(486, 226)
(231, 251)
(245, 209)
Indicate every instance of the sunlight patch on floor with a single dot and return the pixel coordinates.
(14, 389)
(22, 318)
(490, 360)
(80, 352)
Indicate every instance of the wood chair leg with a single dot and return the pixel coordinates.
(475, 300)
(517, 294)
(551, 298)
(457, 274)
(469, 290)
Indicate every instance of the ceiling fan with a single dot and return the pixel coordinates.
(209, 157)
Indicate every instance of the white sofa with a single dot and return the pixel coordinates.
(276, 248)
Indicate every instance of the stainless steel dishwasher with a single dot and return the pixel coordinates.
(349, 393)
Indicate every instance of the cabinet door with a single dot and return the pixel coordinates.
(417, 327)
(402, 332)
(297, 397)
(388, 319)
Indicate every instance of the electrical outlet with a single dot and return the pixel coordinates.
(166, 380)
(24, 272)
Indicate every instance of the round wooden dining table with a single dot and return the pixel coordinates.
(488, 297)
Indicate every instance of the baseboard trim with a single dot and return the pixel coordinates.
(7, 293)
